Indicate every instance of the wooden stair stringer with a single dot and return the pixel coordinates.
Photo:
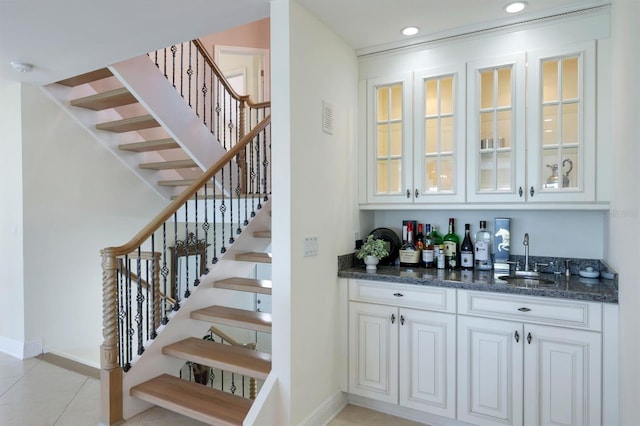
(160, 98)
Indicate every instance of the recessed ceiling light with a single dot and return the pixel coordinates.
(515, 7)
(409, 31)
(21, 67)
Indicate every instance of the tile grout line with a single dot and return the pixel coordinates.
(19, 379)
(71, 400)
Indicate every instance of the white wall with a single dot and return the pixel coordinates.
(320, 170)
(625, 200)
(11, 243)
(78, 199)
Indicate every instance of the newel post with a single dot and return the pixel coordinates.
(110, 370)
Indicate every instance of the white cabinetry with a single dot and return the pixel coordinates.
(425, 165)
(399, 354)
(515, 370)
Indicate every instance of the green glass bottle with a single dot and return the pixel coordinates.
(451, 248)
(436, 238)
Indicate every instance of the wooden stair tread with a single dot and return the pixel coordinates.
(262, 234)
(258, 321)
(86, 77)
(167, 165)
(254, 257)
(226, 357)
(194, 400)
(129, 124)
(245, 284)
(105, 100)
(179, 182)
(146, 146)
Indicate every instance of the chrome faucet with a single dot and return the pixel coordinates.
(526, 251)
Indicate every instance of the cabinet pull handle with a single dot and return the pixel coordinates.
(408, 193)
(393, 319)
(398, 294)
(516, 336)
(529, 338)
(523, 309)
(531, 191)
(401, 319)
(520, 191)
(417, 193)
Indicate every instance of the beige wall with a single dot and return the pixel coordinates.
(255, 34)
(625, 199)
(78, 199)
(314, 195)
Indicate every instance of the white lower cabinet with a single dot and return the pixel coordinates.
(403, 356)
(483, 358)
(517, 373)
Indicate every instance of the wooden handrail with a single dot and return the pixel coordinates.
(145, 284)
(168, 211)
(203, 51)
(231, 340)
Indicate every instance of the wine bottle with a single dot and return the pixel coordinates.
(419, 241)
(451, 247)
(466, 250)
(428, 255)
(436, 237)
(483, 247)
(409, 255)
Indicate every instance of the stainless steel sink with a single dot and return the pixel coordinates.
(525, 281)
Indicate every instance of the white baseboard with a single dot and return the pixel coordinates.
(19, 349)
(327, 410)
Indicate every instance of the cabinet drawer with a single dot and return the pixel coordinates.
(403, 295)
(542, 310)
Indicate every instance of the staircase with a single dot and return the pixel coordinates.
(192, 269)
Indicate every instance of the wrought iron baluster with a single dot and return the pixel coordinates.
(189, 74)
(187, 249)
(165, 273)
(196, 281)
(205, 228)
(176, 289)
(139, 300)
(214, 260)
(130, 330)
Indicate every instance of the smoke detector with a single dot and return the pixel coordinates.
(21, 67)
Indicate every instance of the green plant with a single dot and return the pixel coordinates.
(373, 247)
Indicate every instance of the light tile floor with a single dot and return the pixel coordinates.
(34, 392)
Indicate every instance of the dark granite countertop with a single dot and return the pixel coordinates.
(574, 287)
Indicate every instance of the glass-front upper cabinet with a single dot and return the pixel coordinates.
(439, 146)
(496, 129)
(561, 119)
(389, 139)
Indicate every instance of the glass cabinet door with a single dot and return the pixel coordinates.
(439, 153)
(562, 124)
(389, 140)
(495, 135)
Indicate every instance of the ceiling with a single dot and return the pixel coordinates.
(63, 38)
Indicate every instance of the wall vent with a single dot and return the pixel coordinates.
(327, 117)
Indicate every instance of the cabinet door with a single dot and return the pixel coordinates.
(561, 124)
(490, 376)
(439, 147)
(427, 361)
(496, 129)
(562, 376)
(389, 140)
(373, 351)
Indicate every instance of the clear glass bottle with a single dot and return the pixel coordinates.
(466, 250)
(483, 248)
(409, 254)
(428, 253)
(451, 247)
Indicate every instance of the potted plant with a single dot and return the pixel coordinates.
(372, 251)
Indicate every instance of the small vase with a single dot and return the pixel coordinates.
(371, 262)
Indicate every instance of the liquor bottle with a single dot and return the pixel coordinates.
(409, 255)
(483, 247)
(419, 241)
(440, 263)
(466, 250)
(451, 247)
(428, 255)
(436, 237)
